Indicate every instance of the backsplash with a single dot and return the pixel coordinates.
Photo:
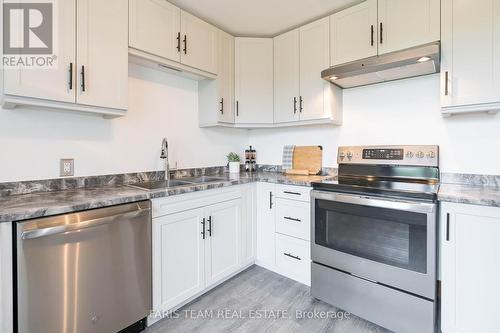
(58, 184)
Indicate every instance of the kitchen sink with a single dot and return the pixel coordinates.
(205, 179)
(156, 185)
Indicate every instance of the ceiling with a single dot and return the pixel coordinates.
(260, 18)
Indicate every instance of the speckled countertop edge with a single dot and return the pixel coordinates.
(34, 205)
(470, 194)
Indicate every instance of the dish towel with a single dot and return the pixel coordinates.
(287, 162)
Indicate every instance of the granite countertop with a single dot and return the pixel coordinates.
(470, 194)
(33, 205)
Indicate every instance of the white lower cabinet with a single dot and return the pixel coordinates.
(470, 268)
(293, 258)
(178, 260)
(265, 225)
(223, 242)
(197, 243)
(283, 230)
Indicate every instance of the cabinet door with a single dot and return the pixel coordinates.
(470, 68)
(266, 225)
(102, 53)
(248, 226)
(407, 23)
(54, 83)
(353, 33)
(178, 258)
(254, 80)
(286, 77)
(314, 57)
(470, 268)
(199, 43)
(225, 77)
(154, 27)
(223, 246)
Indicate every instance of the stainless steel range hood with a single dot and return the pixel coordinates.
(417, 61)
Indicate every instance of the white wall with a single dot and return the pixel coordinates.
(160, 105)
(400, 112)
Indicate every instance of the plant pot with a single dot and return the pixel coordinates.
(234, 167)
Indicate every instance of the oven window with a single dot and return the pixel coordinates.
(388, 236)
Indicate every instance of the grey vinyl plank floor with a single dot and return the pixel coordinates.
(258, 300)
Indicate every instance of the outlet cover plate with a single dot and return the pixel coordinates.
(67, 167)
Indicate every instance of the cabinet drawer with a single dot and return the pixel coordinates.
(293, 258)
(293, 218)
(300, 193)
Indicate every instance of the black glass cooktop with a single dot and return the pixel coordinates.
(389, 188)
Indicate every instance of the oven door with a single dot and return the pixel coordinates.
(388, 241)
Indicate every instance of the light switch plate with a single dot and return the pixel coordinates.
(67, 167)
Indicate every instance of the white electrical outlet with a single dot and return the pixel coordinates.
(67, 167)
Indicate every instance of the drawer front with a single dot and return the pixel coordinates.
(293, 258)
(300, 193)
(293, 218)
(183, 202)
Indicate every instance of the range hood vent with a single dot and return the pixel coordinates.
(417, 61)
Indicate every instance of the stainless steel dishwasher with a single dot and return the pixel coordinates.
(86, 272)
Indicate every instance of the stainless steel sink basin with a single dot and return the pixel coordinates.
(205, 179)
(156, 185)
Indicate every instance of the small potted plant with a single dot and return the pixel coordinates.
(234, 162)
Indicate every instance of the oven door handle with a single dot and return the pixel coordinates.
(410, 206)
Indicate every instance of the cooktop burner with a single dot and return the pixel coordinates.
(394, 171)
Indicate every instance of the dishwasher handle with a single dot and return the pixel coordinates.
(64, 227)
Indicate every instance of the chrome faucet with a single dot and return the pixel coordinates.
(164, 155)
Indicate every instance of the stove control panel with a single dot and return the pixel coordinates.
(389, 155)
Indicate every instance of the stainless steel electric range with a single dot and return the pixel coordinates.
(374, 236)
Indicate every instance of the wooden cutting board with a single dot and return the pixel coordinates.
(307, 160)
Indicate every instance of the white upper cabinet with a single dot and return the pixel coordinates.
(216, 96)
(286, 77)
(317, 96)
(154, 27)
(225, 77)
(407, 23)
(469, 268)
(470, 67)
(353, 33)
(254, 80)
(102, 53)
(92, 72)
(300, 94)
(161, 29)
(55, 84)
(378, 27)
(199, 43)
